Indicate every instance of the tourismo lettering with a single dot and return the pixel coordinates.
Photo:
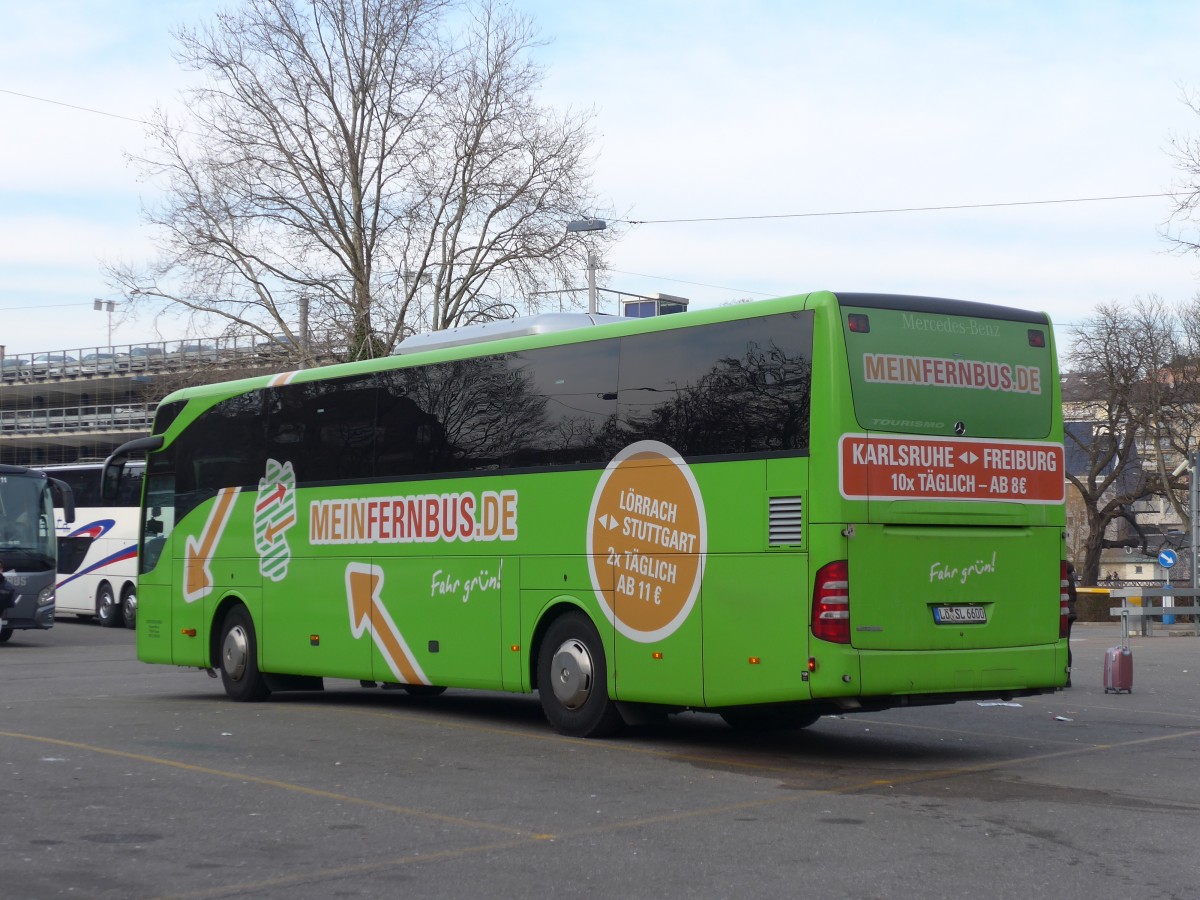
(889, 368)
(419, 518)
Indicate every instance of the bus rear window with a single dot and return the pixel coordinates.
(936, 369)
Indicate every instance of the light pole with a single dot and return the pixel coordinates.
(589, 225)
(1193, 510)
(101, 306)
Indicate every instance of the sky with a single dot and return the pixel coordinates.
(793, 130)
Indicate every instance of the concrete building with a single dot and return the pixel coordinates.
(61, 406)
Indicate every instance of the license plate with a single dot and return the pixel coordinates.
(960, 615)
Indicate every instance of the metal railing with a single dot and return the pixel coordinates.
(97, 417)
(1143, 605)
(132, 359)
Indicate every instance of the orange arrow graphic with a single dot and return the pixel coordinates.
(363, 586)
(273, 530)
(197, 577)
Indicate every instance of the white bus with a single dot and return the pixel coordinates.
(105, 584)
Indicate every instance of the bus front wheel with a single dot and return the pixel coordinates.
(572, 679)
(108, 611)
(239, 658)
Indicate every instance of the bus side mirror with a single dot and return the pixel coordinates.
(71, 551)
(114, 466)
(64, 499)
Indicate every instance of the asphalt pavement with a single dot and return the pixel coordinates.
(124, 780)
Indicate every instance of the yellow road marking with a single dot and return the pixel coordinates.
(268, 782)
(524, 837)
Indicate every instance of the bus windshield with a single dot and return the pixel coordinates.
(27, 539)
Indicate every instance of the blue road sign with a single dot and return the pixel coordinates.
(1167, 558)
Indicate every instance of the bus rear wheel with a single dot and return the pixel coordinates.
(572, 679)
(5, 634)
(108, 612)
(129, 607)
(239, 658)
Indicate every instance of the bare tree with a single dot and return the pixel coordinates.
(1178, 432)
(1185, 152)
(1126, 417)
(368, 167)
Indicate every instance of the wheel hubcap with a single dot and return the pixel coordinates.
(572, 674)
(234, 652)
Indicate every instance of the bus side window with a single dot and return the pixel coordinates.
(409, 441)
(575, 388)
(737, 387)
(130, 491)
(325, 428)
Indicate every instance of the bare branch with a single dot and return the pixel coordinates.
(1130, 403)
(363, 165)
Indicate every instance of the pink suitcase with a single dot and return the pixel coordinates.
(1118, 669)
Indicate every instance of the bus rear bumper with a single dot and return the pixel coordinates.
(964, 673)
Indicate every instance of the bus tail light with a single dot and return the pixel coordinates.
(1064, 596)
(831, 603)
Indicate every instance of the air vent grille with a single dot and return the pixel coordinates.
(785, 521)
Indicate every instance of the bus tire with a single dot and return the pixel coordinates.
(572, 679)
(129, 607)
(770, 717)
(5, 634)
(108, 611)
(239, 658)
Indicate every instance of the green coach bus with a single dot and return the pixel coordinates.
(771, 511)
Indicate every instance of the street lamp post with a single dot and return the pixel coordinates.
(1193, 509)
(105, 305)
(589, 225)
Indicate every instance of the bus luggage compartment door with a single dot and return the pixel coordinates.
(953, 587)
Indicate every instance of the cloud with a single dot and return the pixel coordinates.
(710, 109)
(707, 109)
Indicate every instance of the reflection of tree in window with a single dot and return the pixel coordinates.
(326, 428)
(578, 383)
(482, 407)
(344, 427)
(411, 441)
(741, 387)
